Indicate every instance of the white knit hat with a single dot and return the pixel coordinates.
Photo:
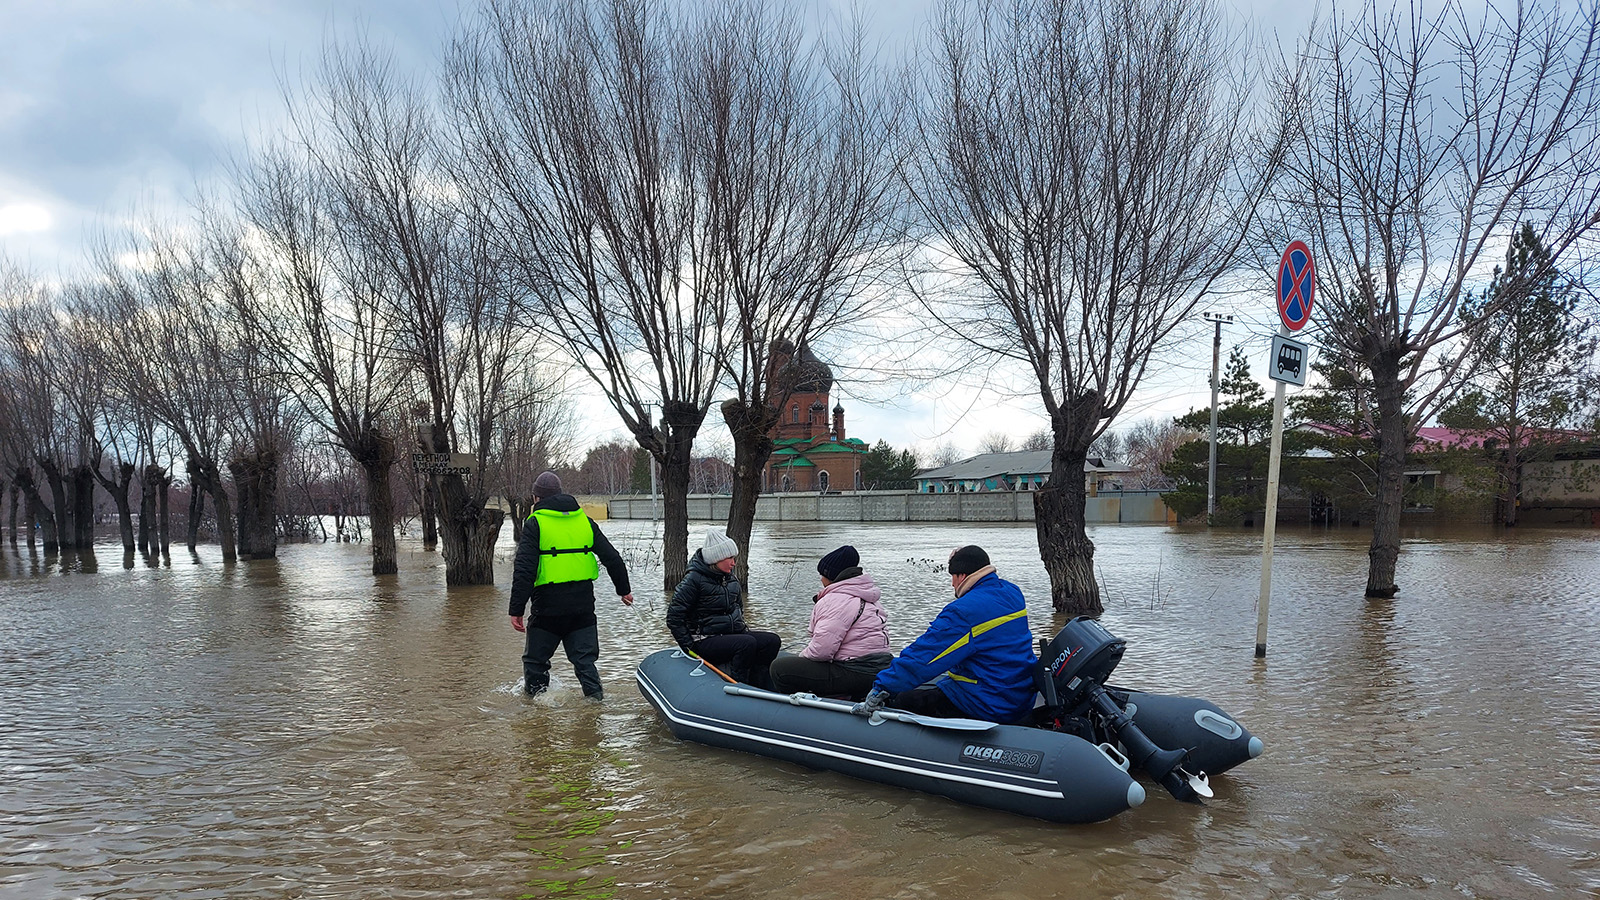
(717, 547)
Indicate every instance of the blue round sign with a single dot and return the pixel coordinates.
(1297, 286)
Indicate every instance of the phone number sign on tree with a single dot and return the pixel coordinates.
(1297, 286)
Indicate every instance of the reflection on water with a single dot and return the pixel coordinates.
(298, 728)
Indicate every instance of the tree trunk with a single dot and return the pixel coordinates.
(61, 516)
(1064, 543)
(118, 488)
(147, 509)
(468, 529)
(195, 499)
(1511, 477)
(16, 496)
(205, 477)
(377, 461)
(430, 516)
(1393, 434)
(163, 482)
(255, 479)
(37, 512)
(673, 446)
(244, 491)
(521, 509)
(80, 487)
(752, 447)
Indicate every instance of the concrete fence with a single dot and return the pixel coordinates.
(1126, 507)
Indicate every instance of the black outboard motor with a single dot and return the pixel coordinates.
(1079, 661)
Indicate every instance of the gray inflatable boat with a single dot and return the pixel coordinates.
(1075, 766)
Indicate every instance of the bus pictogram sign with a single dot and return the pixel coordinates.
(1297, 286)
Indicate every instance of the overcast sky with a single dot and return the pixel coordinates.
(111, 107)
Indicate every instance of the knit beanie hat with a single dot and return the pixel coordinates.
(717, 547)
(967, 560)
(547, 484)
(843, 558)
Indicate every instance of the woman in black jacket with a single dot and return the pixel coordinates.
(707, 615)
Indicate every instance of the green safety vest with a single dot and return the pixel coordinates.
(566, 547)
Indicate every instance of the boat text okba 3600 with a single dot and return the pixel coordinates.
(1076, 764)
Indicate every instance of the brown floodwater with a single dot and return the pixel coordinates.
(292, 728)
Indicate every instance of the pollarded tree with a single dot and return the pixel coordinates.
(573, 113)
(1420, 142)
(1085, 169)
(1534, 359)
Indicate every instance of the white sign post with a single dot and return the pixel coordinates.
(1296, 290)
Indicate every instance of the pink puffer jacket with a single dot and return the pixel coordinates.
(848, 621)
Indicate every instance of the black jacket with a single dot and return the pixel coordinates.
(706, 602)
(567, 598)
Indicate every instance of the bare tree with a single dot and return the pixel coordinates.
(1085, 168)
(1039, 440)
(414, 237)
(1420, 143)
(997, 442)
(157, 310)
(322, 319)
(574, 113)
(790, 143)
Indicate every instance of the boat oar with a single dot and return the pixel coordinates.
(707, 663)
(815, 702)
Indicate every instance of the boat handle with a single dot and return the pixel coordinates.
(1115, 755)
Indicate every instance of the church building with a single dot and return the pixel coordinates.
(812, 453)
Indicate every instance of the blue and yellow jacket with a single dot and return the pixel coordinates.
(981, 651)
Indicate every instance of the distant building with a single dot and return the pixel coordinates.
(1024, 470)
(813, 454)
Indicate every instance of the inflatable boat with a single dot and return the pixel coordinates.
(1076, 765)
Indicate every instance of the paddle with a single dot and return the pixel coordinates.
(707, 663)
(815, 702)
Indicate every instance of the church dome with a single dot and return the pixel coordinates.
(801, 372)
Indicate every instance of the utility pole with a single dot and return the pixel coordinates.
(1216, 364)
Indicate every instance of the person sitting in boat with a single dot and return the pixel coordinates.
(848, 644)
(706, 616)
(979, 648)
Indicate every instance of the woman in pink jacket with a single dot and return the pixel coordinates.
(848, 643)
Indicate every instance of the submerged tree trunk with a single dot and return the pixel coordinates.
(430, 516)
(255, 479)
(205, 477)
(37, 512)
(1393, 435)
(16, 497)
(752, 447)
(468, 528)
(118, 487)
(81, 488)
(1064, 544)
(61, 512)
(376, 457)
(674, 445)
(163, 482)
(1511, 477)
(147, 509)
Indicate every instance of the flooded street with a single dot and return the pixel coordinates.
(290, 728)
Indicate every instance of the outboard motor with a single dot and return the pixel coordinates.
(1079, 661)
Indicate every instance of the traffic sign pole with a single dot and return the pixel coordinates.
(1270, 530)
(1297, 290)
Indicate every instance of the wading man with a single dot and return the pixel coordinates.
(555, 570)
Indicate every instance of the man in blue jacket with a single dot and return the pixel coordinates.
(979, 649)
